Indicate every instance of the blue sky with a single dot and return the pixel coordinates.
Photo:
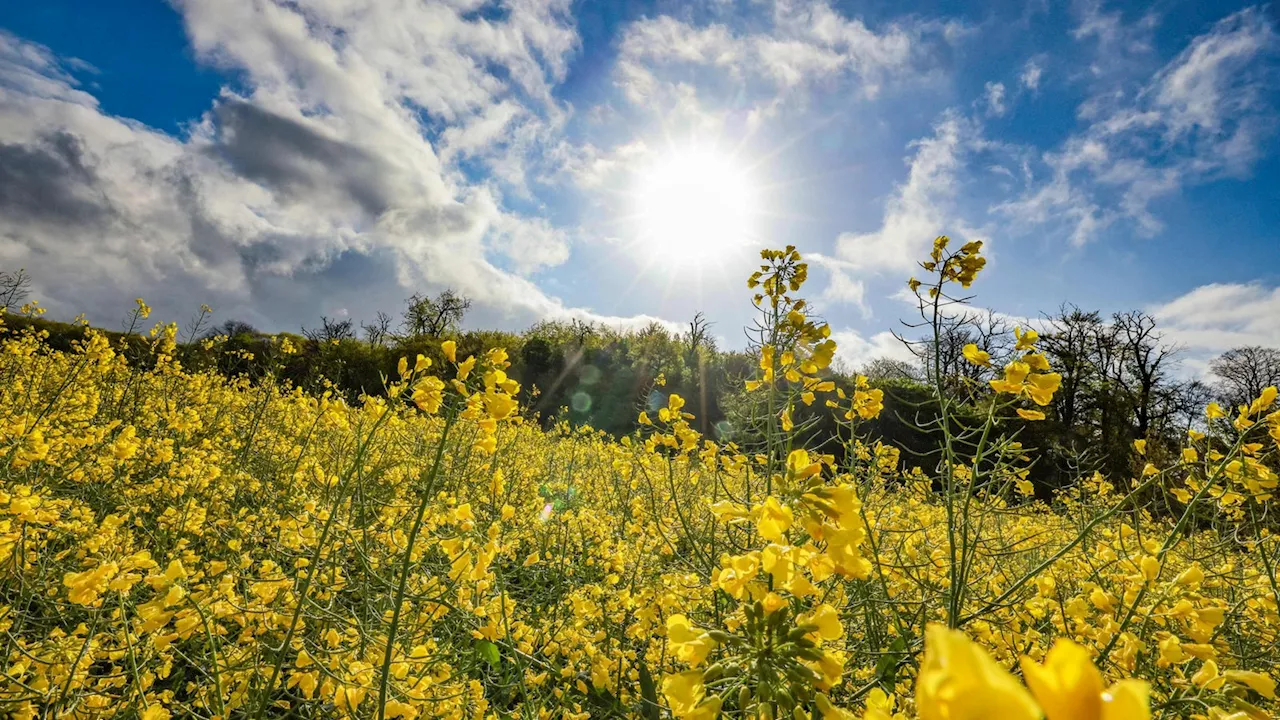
(284, 161)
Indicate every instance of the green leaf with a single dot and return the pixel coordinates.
(648, 694)
(887, 666)
(489, 652)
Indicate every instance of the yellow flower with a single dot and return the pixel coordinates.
(827, 619)
(1140, 446)
(465, 367)
(691, 646)
(1041, 387)
(1213, 411)
(1150, 568)
(773, 520)
(829, 667)
(868, 403)
(1208, 677)
(84, 588)
(1256, 681)
(735, 572)
(959, 681)
(1190, 576)
(1264, 401)
(1068, 687)
(686, 695)
(428, 395)
(1030, 414)
(976, 356)
(450, 349)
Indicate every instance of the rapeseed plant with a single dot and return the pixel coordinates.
(176, 543)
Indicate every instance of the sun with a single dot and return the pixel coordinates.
(694, 205)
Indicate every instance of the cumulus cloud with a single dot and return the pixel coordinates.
(1201, 117)
(923, 206)
(1217, 317)
(842, 288)
(856, 351)
(797, 48)
(325, 179)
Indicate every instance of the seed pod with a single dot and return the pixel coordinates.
(812, 654)
(799, 674)
(776, 619)
(784, 698)
(744, 697)
(805, 642)
(787, 649)
(719, 636)
(800, 631)
(713, 673)
(799, 714)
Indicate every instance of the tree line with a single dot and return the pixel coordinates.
(1122, 379)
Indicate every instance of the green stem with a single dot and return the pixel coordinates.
(405, 566)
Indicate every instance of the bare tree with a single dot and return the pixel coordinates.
(581, 330)
(887, 368)
(434, 316)
(988, 331)
(378, 331)
(233, 328)
(1146, 363)
(1243, 373)
(15, 288)
(698, 339)
(1071, 341)
(698, 345)
(330, 331)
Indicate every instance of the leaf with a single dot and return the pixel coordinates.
(887, 666)
(648, 694)
(489, 652)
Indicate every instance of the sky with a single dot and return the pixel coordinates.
(624, 163)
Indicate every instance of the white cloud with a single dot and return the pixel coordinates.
(1120, 46)
(1203, 116)
(1031, 74)
(994, 95)
(842, 288)
(312, 186)
(921, 208)
(1217, 317)
(855, 351)
(801, 46)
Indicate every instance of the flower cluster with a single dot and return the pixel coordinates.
(176, 543)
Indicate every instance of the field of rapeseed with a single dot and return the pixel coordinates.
(177, 544)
